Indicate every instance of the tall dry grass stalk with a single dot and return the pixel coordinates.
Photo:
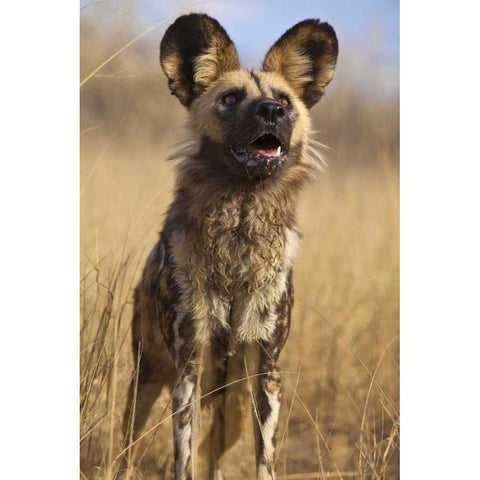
(340, 414)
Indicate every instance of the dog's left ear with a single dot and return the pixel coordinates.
(306, 56)
(194, 52)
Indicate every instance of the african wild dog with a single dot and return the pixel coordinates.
(214, 302)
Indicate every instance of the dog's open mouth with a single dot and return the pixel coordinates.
(265, 149)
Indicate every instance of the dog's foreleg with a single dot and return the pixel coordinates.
(269, 390)
(185, 406)
(268, 405)
(185, 396)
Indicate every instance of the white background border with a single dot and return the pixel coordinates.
(440, 240)
(39, 201)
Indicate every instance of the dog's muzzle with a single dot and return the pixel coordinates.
(261, 158)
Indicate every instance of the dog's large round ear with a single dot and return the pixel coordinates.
(194, 51)
(306, 56)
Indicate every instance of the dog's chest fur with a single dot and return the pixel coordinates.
(231, 263)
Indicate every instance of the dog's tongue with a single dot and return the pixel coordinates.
(271, 152)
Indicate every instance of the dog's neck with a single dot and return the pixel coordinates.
(202, 199)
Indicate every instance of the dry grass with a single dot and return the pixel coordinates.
(340, 417)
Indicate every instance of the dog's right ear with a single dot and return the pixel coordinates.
(194, 52)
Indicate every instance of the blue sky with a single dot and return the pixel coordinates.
(265, 20)
(368, 30)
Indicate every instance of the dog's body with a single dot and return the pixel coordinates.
(214, 303)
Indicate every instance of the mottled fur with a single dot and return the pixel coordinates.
(215, 299)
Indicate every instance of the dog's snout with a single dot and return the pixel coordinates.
(270, 111)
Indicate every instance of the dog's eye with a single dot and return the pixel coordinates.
(284, 101)
(229, 99)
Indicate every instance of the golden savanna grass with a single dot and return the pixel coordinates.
(340, 413)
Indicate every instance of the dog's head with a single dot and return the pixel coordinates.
(249, 125)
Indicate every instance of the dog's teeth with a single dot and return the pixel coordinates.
(279, 151)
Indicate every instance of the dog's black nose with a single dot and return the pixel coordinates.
(270, 111)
